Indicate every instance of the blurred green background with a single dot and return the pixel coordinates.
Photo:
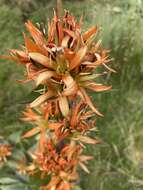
(118, 163)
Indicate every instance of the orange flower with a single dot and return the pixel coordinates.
(64, 61)
(5, 151)
(62, 165)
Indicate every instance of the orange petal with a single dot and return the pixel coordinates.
(53, 182)
(35, 33)
(43, 60)
(69, 55)
(98, 88)
(59, 32)
(54, 126)
(110, 69)
(65, 41)
(22, 56)
(41, 99)
(87, 140)
(44, 76)
(51, 31)
(64, 105)
(11, 58)
(92, 31)
(64, 186)
(74, 118)
(70, 33)
(32, 47)
(31, 133)
(42, 140)
(84, 158)
(96, 47)
(76, 61)
(88, 101)
(71, 86)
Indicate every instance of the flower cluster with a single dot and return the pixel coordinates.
(5, 151)
(64, 63)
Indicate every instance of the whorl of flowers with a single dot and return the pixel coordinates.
(63, 63)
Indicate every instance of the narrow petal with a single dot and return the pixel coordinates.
(88, 77)
(53, 182)
(65, 41)
(98, 88)
(43, 60)
(44, 76)
(87, 140)
(32, 47)
(54, 126)
(84, 167)
(88, 101)
(71, 86)
(74, 118)
(42, 140)
(76, 61)
(84, 158)
(64, 105)
(35, 33)
(64, 186)
(70, 33)
(92, 31)
(7, 57)
(110, 69)
(20, 54)
(59, 32)
(41, 99)
(31, 133)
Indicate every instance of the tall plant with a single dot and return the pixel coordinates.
(63, 63)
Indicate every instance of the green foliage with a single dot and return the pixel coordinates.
(118, 160)
(11, 92)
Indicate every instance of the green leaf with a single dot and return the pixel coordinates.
(7, 180)
(15, 137)
(17, 186)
